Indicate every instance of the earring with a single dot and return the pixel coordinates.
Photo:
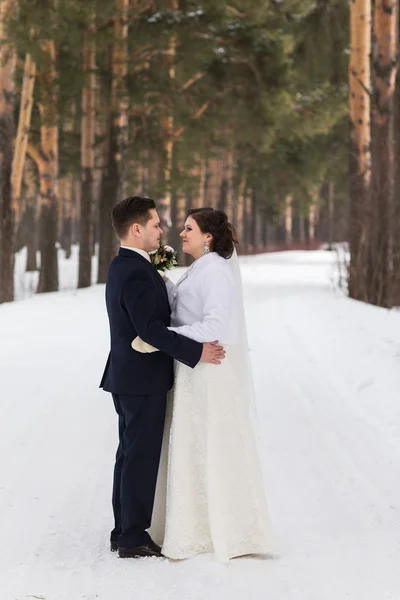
(206, 248)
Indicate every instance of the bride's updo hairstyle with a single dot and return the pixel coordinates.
(216, 222)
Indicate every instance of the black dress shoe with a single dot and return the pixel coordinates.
(113, 545)
(149, 549)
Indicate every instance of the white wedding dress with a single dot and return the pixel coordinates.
(210, 494)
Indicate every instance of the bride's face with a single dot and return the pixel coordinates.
(194, 240)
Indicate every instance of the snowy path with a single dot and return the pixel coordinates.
(327, 374)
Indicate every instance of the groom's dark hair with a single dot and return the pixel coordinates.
(134, 209)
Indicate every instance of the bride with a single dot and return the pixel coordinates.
(210, 494)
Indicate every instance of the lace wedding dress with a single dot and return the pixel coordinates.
(210, 493)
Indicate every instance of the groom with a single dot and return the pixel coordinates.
(137, 305)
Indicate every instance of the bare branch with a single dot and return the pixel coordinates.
(234, 11)
(192, 81)
(200, 112)
(35, 154)
(203, 108)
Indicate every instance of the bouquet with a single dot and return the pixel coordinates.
(164, 258)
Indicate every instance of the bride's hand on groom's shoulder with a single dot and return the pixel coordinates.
(212, 353)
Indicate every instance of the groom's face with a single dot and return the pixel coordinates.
(151, 232)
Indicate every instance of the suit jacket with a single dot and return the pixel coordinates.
(137, 305)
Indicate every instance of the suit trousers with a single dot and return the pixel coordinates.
(141, 425)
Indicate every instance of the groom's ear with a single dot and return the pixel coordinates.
(135, 228)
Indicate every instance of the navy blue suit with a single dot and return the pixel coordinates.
(137, 305)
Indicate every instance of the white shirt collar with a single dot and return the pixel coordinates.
(139, 251)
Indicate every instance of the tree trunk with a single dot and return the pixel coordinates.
(67, 188)
(396, 197)
(288, 219)
(31, 242)
(167, 124)
(181, 209)
(214, 182)
(240, 209)
(200, 173)
(248, 219)
(24, 124)
(65, 195)
(31, 206)
(145, 174)
(47, 162)
(101, 131)
(383, 174)
(311, 223)
(360, 147)
(254, 220)
(7, 217)
(111, 188)
(109, 196)
(226, 192)
(76, 210)
(87, 157)
(331, 214)
(312, 215)
(302, 230)
(48, 277)
(264, 232)
(165, 202)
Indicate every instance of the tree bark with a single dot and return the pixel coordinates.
(111, 188)
(240, 209)
(200, 173)
(46, 160)
(248, 220)
(31, 209)
(87, 158)
(360, 146)
(253, 208)
(76, 210)
(67, 190)
(167, 124)
(396, 196)
(181, 209)
(214, 182)
(109, 196)
(24, 124)
(311, 223)
(264, 232)
(331, 214)
(226, 191)
(302, 230)
(312, 214)
(7, 216)
(383, 174)
(288, 219)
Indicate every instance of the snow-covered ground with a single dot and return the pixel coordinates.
(327, 375)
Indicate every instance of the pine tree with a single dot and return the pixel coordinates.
(383, 160)
(112, 183)
(360, 158)
(7, 90)
(87, 160)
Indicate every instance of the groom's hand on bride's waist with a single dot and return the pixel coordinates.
(212, 353)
